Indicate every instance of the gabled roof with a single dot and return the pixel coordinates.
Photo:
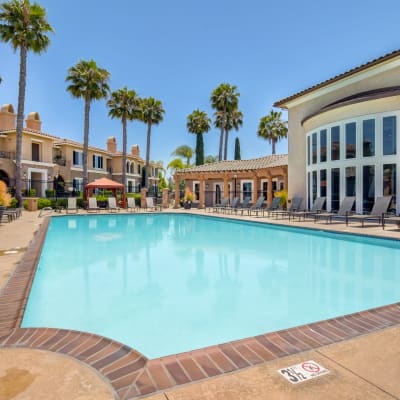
(276, 160)
(353, 71)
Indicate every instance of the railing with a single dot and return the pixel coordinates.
(7, 154)
(60, 161)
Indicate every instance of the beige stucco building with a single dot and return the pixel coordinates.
(343, 137)
(47, 158)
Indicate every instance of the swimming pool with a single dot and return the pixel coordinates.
(166, 283)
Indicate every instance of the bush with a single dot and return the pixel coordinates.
(30, 192)
(50, 193)
(44, 203)
(5, 197)
(283, 194)
(13, 203)
(25, 204)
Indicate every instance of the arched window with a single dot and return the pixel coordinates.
(127, 166)
(132, 168)
(138, 169)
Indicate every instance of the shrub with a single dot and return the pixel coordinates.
(25, 204)
(50, 193)
(13, 203)
(283, 194)
(136, 196)
(30, 192)
(5, 197)
(44, 203)
(189, 195)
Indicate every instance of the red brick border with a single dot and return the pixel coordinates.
(132, 375)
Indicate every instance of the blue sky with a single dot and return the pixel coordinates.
(178, 51)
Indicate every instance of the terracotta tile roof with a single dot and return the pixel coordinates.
(80, 145)
(376, 61)
(31, 131)
(276, 160)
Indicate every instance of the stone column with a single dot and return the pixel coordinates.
(269, 191)
(256, 187)
(226, 189)
(143, 196)
(285, 179)
(176, 201)
(165, 198)
(201, 194)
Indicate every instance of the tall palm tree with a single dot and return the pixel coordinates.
(152, 114)
(272, 128)
(223, 99)
(124, 105)
(184, 151)
(25, 27)
(198, 123)
(89, 82)
(233, 120)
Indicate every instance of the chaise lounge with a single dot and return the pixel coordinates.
(344, 211)
(380, 207)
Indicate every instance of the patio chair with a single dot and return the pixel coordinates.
(222, 206)
(344, 210)
(258, 207)
(380, 207)
(132, 205)
(234, 204)
(150, 204)
(244, 206)
(315, 209)
(71, 206)
(92, 205)
(391, 219)
(112, 204)
(276, 201)
(295, 206)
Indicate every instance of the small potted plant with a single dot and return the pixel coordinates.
(188, 199)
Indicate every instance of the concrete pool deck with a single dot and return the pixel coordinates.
(364, 367)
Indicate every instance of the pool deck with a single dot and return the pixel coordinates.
(361, 351)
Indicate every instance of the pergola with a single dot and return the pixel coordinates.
(104, 183)
(231, 172)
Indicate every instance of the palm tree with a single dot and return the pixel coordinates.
(233, 120)
(25, 27)
(223, 99)
(124, 105)
(175, 165)
(89, 82)
(152, 114)
(210, 159)
(184, 151)
(272, 128)
(198, 123)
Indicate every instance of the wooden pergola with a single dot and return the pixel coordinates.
(232, 173)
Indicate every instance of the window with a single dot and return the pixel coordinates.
(350, 181)
(308, 186)
(350, 140)
(77, 184)
(308, 150)
(368, 138)
(322, 182)
(389, 135)
(368, 187)
(264, 189)
(314, 148)
(247, 189)
(314, 185)
(197, 190)
(138, 169)
(35, 152)
(97, 161)
(335, 189)
(389, 182)
(322, 146)
(335, 143)
(77, 158)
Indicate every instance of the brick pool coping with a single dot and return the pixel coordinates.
(132, 375)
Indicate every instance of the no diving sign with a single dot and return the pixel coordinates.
(303, 372)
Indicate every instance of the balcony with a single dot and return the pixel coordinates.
(59, 161)
(7, 154)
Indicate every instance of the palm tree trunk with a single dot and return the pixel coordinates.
(273, 146)
(226, 143)
(199, 149)
(124, 151)
(20, 122)
(146, 172)
(221, 142)
(86, 142)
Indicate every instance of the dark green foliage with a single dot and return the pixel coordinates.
(199, 149)
(237, 149)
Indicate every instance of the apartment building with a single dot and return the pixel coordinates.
(51, 162)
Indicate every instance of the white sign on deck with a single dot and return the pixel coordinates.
(303, 372)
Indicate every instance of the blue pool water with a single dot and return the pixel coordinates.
(168, 283)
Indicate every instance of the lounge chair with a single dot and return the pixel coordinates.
(92, 205)
(276, 201)
(244, 206)
(150, 205)
(380, 207)
(344, 210)
(258, 207)
(295, 206)
(233, 206)
(112, 204)
(391, 219)
(315, 209)
(132, 205)
(71, 206)
(222, 205)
